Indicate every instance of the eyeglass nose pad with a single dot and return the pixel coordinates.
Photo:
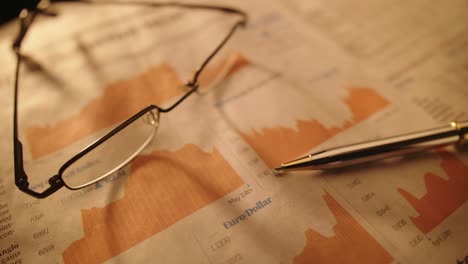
(152, 118)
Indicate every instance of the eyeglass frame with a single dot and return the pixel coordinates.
(27, 17)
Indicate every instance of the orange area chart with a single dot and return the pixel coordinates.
(350, 244)
(292, 142)
(163, 187)
(443, 196)
(119, 101)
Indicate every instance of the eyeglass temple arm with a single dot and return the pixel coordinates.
(26, 18)
(24, 26)
(193, 84)
(193, 88)
(164, 4)
(21, 178)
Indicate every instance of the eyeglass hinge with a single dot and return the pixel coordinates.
(55, 181)
(22, 183)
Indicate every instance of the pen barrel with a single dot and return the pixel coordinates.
(456, 133)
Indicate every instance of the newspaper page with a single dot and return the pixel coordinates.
(419, 47)
(203, 190)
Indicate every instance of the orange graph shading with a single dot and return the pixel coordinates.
(443, 197)
(290, 142)
(163, 188)
(350, 244)
(119, 101)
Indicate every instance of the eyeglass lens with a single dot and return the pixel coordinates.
(113, 153)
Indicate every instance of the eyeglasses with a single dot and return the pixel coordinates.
(126, 140)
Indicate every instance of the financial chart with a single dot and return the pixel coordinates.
(203, 190)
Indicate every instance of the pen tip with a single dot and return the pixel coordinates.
(278, 170)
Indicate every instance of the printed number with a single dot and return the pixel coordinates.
(415, 241)
(41, 233)
(399, 225)
(46, 250)
(234, 259)
(368, 196)
(220, 243)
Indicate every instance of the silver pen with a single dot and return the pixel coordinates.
(455, 133)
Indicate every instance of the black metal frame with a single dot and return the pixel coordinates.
(26, 19)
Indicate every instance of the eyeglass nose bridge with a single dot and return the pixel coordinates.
(152, 118)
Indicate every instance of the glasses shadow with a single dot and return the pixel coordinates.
(34, 66)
